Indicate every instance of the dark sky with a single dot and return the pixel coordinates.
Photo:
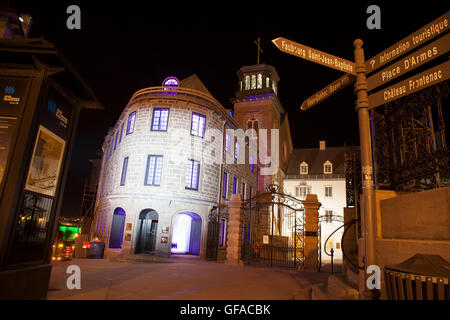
(124, 46)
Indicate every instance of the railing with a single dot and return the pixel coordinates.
(346, 226)
(316, 176)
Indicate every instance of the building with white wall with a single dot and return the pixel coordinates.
(163, 173)
(321, 171)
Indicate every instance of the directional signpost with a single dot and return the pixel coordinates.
(415, 83)
(409, 63)
(360, 68)
(332, 88)
(308, 53)
(433, 29)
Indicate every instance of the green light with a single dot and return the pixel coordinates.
(69, 232)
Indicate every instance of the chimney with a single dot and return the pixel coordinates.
(322, 145)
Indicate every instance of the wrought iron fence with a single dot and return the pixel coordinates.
(273, 229)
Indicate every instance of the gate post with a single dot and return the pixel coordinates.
(234, 231)
(311, 242)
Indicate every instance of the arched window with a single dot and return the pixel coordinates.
(274, 88)
(240, 85)
(247, 82)
(253, 81)
(253, 124)
(303, 168)
(327, 167)
(259, 82)
(267, 82)
(117, 226)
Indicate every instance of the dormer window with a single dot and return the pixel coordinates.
(303, 168)
(327, 167)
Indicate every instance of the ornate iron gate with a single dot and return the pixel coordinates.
(273, 230)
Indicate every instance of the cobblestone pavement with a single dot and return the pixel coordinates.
(180, 280)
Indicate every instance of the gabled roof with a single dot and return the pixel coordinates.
(194, 82)
(315, 158)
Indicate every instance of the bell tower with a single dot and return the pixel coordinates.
(256, 106)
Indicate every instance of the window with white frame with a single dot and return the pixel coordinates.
(227, 142)
(198, 125)
(236, 150)
(327, 167)
(303, 168)
(328, 191)
(328, 216)
(124, 171)
(153, 171)
(130, 123)
(160, 119)
(192, 175)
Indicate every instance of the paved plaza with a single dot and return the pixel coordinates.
(179, 279)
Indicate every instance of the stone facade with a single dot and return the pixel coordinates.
(177, 146)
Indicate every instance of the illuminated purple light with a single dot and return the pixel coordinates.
(171, 82)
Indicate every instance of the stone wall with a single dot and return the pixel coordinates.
(409, 224)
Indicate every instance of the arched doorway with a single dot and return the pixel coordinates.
(117, 226)
(147, 228)
(186, 233)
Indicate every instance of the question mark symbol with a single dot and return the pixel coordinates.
(372, 62)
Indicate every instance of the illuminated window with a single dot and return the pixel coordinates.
(253, 124)
(154, 169)
(328, 167)
(115, 141)
(252, 163)
(236, 150)
(259, 82)
(121, 132)
(247, 82)
(240, 85)
(253, 81)
(198, 125)
(274, 88)
(303, 168)
(160, 119)
(124, 171)
(222, 232)
(130, 123)
(267, 82)
(225, 185)
(235, 185)
(227, 142)
(192, 174)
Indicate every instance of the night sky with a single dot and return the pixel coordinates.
(123, 47)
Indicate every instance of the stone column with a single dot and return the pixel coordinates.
(311, 243)
(234, 231)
